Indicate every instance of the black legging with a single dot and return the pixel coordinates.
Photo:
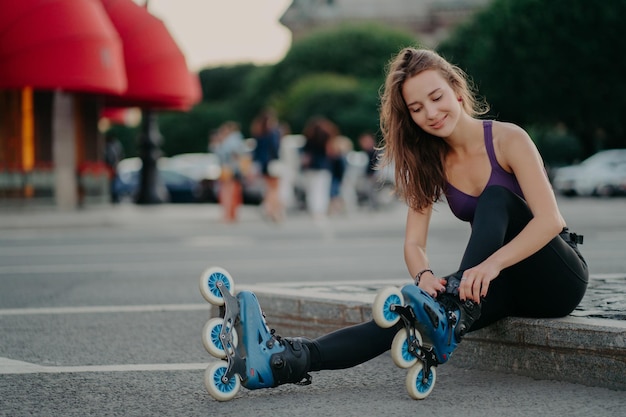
(549, 283)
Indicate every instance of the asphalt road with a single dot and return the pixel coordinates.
(100, 312)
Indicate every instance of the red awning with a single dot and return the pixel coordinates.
(67, 44)
(156, 69)
(121, 116)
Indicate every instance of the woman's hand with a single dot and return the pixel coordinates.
(432, 285)
(475, 281)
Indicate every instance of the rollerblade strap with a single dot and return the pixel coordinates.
(292, 364)
(570, 237)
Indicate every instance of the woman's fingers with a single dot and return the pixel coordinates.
(473, 289)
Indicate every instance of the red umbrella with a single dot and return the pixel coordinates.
(156, 69)
(67, 44)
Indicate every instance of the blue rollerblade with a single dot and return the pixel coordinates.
(432, 329)
(254, 356)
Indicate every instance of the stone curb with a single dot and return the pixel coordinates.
(574, 349)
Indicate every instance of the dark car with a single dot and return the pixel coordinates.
(172, 186)
(204, 168)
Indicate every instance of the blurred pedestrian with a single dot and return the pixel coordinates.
(228, 144)
(266, 131)
(367, 143)
(316, 164)
(338, 149)
(113, 154)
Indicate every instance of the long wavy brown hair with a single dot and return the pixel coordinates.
(418, 157)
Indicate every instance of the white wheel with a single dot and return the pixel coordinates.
(218, 389)
(209, 284)
(400, 350)
(417, 388)
(381, 312)
(211, 338)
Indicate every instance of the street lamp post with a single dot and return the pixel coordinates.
(149, 152)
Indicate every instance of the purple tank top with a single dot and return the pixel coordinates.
(464, 205)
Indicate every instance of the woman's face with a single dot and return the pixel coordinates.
(432, 103)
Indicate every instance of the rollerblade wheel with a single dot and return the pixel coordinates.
(400, 353)
(417, 387)
(211, 338)
(209, 282)
(217, 388)
(381, 308)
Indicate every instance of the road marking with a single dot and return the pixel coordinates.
(125, 248)
(93, 267)
(104, 309)
(10, 366)
(616, 276)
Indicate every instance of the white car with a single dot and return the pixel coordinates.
(602, 174)
(199, 166)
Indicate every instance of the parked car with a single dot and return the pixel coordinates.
(206, 170)
(363, 188)
(203, 168)
(172, 186)
(602, 174)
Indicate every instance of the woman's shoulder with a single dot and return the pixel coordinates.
(506, 134)
(508, 129)
(510, 141)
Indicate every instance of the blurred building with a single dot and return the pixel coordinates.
(430, 20)
(63, 65)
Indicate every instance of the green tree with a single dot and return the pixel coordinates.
(359, 50)
(127, 135)
(224, 98)
(335, 73)
(550, 62)
(189, 131)
(231, 91)
(223, 83)
(349, 102)
(348, 62)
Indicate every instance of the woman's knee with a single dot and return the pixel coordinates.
(499, 194)
(499, 198)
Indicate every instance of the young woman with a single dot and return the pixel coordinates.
(521, 260)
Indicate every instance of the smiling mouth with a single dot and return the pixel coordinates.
(439, 124)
